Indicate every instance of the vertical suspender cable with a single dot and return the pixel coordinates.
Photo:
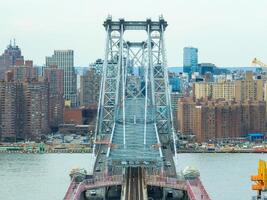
(146, 81)
(168, 94)
(123, 83)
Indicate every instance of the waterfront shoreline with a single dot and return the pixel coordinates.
(231, 151)
(88, 151)
(56, 151)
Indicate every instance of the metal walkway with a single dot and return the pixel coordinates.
(195, 189)
(135, 152)
(166, 182)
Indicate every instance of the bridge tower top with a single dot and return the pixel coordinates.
(112, 25)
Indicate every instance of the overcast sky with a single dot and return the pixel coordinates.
(227, 32)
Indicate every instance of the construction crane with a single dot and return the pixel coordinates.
(260, 179)
(262, 65)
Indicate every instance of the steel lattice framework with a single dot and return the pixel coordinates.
(119, 88)
(134, 117)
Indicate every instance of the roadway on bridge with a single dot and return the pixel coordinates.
(134, 152)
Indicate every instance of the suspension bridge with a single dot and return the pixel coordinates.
(134, 138)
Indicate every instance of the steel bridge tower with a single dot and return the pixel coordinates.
(149, 57)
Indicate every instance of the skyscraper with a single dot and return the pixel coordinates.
(36, 109)
(55, 78)
(190, 59)
(11, 55)
(64, 59)
(11, 111)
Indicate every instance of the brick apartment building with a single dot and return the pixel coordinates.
(209, 120)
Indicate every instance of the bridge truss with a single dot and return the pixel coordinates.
(134, 133)
(134, 109)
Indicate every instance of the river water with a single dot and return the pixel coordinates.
(45, 176)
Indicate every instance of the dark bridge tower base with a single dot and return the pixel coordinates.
(83, 196)
(113, 193)
(159, 193)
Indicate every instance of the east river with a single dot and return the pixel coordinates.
(45, 176)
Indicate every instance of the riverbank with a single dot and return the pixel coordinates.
(89, 150)
(49, 151)
(44, 148)
(222, 151)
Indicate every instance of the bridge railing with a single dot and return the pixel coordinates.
(194, 187)
(199, 193)
(162, 181)
(70, 192)
(75, 189)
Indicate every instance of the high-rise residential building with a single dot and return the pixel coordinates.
(204, 125)
(190, 59)
(240, 90)
(55, 77)
(185, 115)
(64, 59)
(212, 120)
(265, 96)
(249, 89)
(253, 116)
(9, 58)
(202, 90)
(36, 96)
(25, 72)
(228, 123)
(90, 87)
(11, 111)
(174, 102)
(223, 90)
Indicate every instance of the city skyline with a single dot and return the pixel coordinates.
(220, 30)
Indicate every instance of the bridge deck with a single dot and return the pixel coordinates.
(75, 189)
(165, 182)
(134, 152)
(194, 188)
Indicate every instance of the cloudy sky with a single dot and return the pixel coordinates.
(227, 32)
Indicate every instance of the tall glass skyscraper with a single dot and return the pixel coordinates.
(190, 59)
(64, 59)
